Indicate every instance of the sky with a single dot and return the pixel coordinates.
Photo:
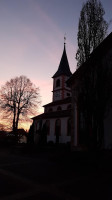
(32, 39)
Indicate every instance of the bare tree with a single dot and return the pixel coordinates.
(18, 98)
(2, 128)
(92, 29)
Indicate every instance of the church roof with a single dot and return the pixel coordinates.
(56, 114)
(95, 57)
(59, 102)
(63, 68)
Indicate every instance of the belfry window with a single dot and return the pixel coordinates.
(58, 83)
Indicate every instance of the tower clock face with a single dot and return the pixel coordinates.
(57, 94)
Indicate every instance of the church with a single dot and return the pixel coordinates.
(91, 86)
(54, 125)
(72, 116)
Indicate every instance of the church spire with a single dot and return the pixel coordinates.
(63, 68)
(64, 40)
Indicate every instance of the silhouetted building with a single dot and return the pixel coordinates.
(55, 123)
(91, 87)
(20, 135)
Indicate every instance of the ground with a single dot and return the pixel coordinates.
(54, 174)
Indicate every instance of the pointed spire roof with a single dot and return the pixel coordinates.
(63, 68)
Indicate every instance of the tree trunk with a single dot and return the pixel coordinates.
(13, 128)
(14, 119)
(17, 120)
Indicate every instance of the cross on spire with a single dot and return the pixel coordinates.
(65, 39)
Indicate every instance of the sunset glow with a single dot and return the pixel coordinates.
(32, 40)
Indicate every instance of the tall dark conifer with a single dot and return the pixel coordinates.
(92, 29)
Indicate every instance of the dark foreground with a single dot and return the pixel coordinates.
(54, 174)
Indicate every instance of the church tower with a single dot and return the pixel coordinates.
(60, 87)
(55, 122)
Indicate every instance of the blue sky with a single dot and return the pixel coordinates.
(32, 37)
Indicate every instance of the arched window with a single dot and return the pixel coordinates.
(58, 83)
(69, 107)
(59, 108)
(69, 127)
(47, 127)
(57, 129)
